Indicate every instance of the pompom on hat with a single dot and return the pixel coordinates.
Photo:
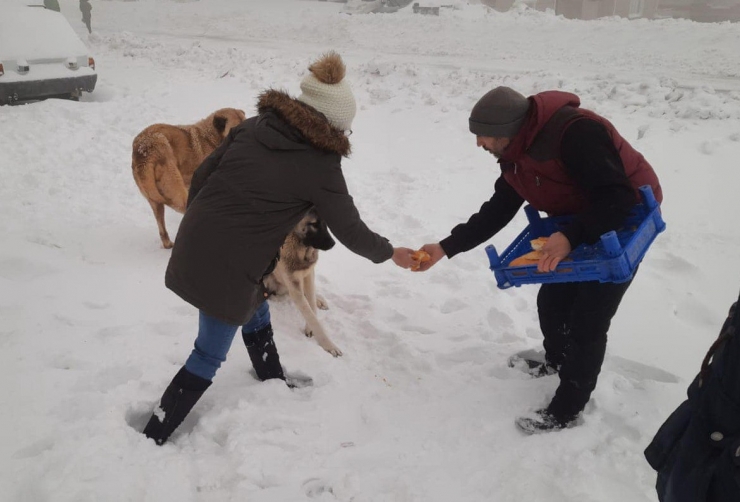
(325, 89)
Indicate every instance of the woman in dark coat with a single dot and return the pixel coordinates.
(696, 452)
(244, 200)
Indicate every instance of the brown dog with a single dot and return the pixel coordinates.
(165, 157)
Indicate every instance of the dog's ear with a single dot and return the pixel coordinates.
(219, 122)
(301, 229)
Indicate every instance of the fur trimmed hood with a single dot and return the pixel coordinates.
(308, 121)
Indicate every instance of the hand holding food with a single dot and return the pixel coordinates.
(555, 250)
(533, 257)
(403, 257)
(419, 257)
(547, 253)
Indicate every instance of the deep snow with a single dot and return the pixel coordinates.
(421, 406)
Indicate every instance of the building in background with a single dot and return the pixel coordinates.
(697, 10)
(587, 9)
(706, 11)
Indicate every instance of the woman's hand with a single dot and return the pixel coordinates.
(402, 257)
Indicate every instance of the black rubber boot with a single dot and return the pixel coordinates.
(263, 354)
(532, 362)
(543, 421)
(178, 399)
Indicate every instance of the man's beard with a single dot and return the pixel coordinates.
(493, 152)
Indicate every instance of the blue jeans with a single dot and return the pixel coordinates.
(214, 340)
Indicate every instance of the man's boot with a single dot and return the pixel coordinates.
(178, 399)
(532, 362)
(545, 421)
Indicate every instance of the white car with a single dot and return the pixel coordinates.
(41, 56)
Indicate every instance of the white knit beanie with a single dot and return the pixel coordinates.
(325, 89)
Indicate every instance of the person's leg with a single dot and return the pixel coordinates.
(258, 338)
(594, 306)
(554, 303)
(178, 399)
(589, 317)
(260, 319)
(211, 346)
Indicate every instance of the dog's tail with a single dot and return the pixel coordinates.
(153, 165)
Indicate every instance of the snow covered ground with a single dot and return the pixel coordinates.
(421, 406)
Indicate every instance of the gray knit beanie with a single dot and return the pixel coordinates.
(499, 114)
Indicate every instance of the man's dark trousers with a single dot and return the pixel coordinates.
(575, 319)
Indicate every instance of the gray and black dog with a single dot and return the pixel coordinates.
(294, 274)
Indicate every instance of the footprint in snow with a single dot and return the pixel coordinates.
(675, 264)
(109, 378)
(19, 269)
(418, 329)
(637, 371)
(452, 306)
(498, 319)
(96, 305)
(34, 449)
(315, 487)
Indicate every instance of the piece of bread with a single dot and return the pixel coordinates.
(419, 257)
(538, 243)
(530, 258)
(533, 256)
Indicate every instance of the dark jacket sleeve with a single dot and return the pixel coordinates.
(493, 215)
(336, 207)
(207, 167)
(591, 159)
(688, 463)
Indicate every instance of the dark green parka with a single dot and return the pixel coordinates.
(247, 196)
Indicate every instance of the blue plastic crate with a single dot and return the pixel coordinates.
(613, 259)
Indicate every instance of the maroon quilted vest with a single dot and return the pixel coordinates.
(532, 165)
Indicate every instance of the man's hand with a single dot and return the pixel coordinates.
(436, 253)
(556, 248)
(402, 257)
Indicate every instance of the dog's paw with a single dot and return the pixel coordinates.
(307, 331)
(321, 303)
(333, 350)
